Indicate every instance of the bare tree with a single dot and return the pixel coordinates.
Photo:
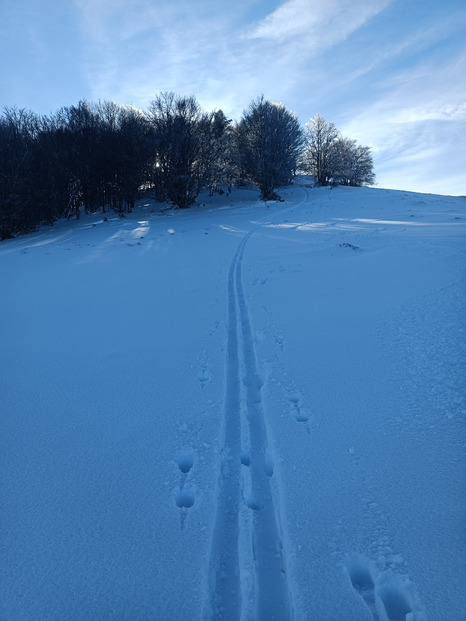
(269, 141)
(332, 158)
(180, 135)
(18, 133)
(126, 154)
(134, 154)
(318, 154)
(84, 150)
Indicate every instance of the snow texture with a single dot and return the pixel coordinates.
(244, 410)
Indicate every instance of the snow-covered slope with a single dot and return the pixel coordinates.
(239, 411)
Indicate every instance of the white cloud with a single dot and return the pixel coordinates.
(321, 22)
(445, 112)
(415, 149)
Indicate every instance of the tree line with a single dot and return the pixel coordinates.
(101, 156)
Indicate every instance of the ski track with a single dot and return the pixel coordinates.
(248, 561)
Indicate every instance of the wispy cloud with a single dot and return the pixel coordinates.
(322, 23)
(415, 127)
(209, 52)
(429, 91)
(132, 55)
(444, 112)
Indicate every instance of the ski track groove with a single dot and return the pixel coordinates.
(247, 537)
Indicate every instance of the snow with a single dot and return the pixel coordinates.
(244, 410)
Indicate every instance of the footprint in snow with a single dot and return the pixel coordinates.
(379, 589)
(394, 596)
(360, 572)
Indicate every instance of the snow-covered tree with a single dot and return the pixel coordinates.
(362, 166)
(269, 140)
(317, 157)
(332, 158)
(220, 165)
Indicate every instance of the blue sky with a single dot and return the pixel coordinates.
(390, 73)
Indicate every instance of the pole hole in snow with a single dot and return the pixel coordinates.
(203, 376)
(301, 415)
(294, 398)
(185, 463)
(184, 499)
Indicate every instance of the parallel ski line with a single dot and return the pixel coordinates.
(225, 579)
(229, 594)
(272, 595)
